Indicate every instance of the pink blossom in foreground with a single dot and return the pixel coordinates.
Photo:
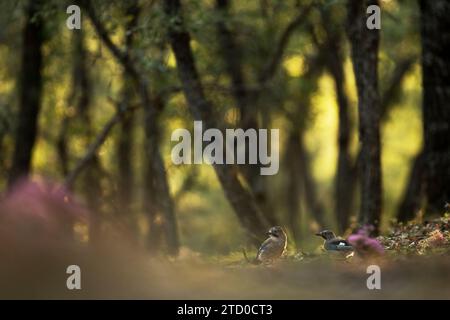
(365, 245)
(39, 209)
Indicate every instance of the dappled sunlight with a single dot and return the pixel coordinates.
(323, 130)
(294, 65)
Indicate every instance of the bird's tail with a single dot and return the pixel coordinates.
(252, 261)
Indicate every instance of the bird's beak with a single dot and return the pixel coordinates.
(268, 234)
(319, 234)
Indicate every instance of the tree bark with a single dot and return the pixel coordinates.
(364, 51)
(30, 87)
(435, 24)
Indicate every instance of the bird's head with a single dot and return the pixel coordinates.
(326, 234)
(277, 232)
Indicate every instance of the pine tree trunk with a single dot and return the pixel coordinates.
(240, 198)
(313, 203)
(160, 204)
(158, 194)
(91, 185)
(125, 138)
(232, 56)
(412, 199)
(435, 24)
(364, 52)
(294, 187)
(30, 92)
(345, 181)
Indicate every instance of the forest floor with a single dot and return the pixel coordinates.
(416, 265)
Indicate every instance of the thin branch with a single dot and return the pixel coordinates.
(272, 66)
(123, 58)
(94, 146)
(388, 97)
(119, 54)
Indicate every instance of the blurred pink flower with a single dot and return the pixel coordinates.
(365, 245)
(41, 209)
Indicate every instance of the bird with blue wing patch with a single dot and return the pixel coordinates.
(333, 244)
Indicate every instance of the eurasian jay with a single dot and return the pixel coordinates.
(272, 248)
(335, 244)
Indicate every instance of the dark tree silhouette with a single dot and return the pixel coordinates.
(411, 202)
(240, 198)
(364, 52)
(294, 186)
(158, 193)
(125, 138)
(232, 56)
(30, 87)
(345, 175)
(435, 24)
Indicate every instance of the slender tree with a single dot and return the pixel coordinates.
(294, 187)
(92, 175)
(345, 175)
(157, 188)
(125, 137)
(435, 24)
(364, 52)
(232, 55)
(411, 202)
(240, 198)
(30, 92)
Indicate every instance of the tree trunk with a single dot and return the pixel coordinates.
(159, 203)
(240, 198)
(301, 184)
(364, 51)
(435, 26)
(344, 183)
(125, 138)
(5, 127)
(30, 87)
(315, 207)
(159, 194)
(294, 187)
(92, 175)
(232, 55)
(412, 199)
(124, 160)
